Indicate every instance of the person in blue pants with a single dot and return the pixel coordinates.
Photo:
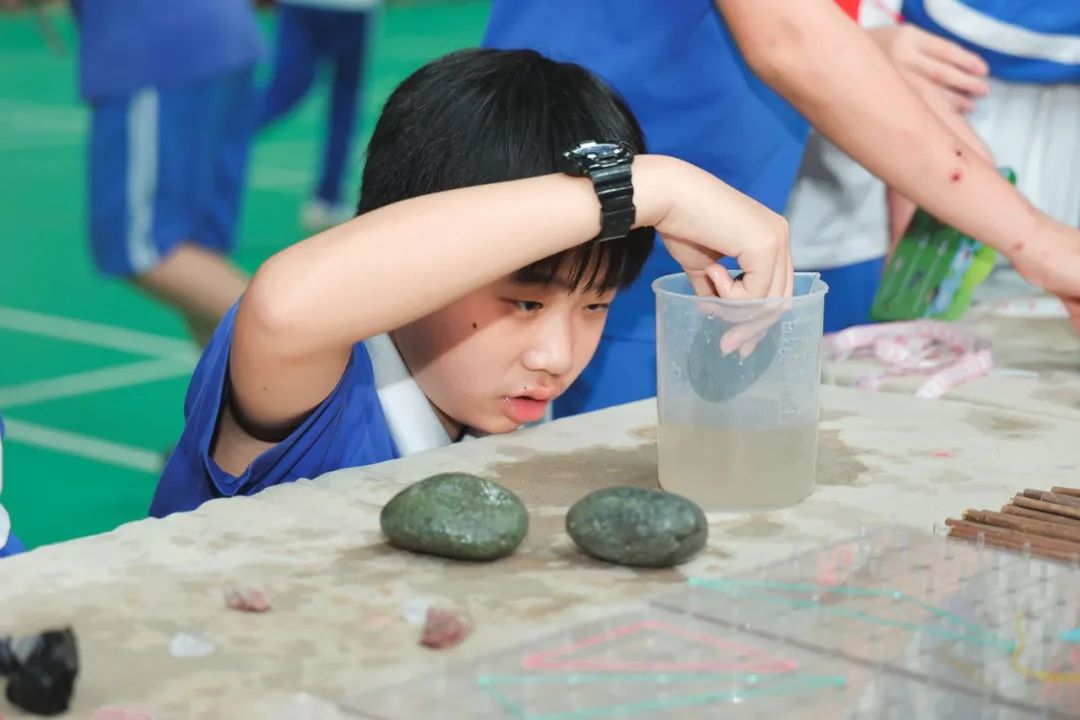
(311, 33)
(731, 86)
(9, 544)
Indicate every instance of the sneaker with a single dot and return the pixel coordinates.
(317, 215)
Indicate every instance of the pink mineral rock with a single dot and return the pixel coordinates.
(247, 600)
(443, 629)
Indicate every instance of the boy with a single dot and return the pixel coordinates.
(9, 544)
(466, 295)
(170, 89)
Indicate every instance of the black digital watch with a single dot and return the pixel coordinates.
(608, 166)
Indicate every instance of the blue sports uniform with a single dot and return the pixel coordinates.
(9, 544)
(1024, 41)
(347, 429)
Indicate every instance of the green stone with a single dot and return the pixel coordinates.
(716, 377)
(456, 515)
(637, 526)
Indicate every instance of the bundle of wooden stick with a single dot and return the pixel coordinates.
(1045, 522)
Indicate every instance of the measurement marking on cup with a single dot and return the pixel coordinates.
(793, 357)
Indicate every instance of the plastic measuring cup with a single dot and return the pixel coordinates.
(738, 433)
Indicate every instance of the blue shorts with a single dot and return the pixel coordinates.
(851, 293)
(168, 165)
(624, 369)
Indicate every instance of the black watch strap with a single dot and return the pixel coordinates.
(608, 165)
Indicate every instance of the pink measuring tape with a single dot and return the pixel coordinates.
(923, 347)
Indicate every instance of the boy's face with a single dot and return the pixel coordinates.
(496, 358)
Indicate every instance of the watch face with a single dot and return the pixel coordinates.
(591, 156)
(593, 148)
(594, 151)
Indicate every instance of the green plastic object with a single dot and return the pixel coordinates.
(934, 271)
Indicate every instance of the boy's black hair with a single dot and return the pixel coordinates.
(481, 116)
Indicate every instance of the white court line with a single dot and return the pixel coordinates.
(268, 178)
(36, 125)
(42, 118)
(93, 381)
(96, 334)
(45, 142)
(84, 446)
(288, 147)
(9, 105)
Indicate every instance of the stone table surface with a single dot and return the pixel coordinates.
(1036, 353)
(338, 591)
(336, 629)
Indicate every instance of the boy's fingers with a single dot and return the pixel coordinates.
(776, 285)
(752, 285)
(747, 348)
(1072, 306)
(725, 285)
(787, 272)
(735, 343)
(721, 279)
(746, 335)
(701, 285)
(736, 337)
(756, 283)
(781, 271)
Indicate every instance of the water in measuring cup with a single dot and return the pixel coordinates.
(738, 469)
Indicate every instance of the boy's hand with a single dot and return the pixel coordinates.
(939, 69)
(703, 219)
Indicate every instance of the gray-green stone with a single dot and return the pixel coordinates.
(456, 515)
(716, 377)
(637, 526)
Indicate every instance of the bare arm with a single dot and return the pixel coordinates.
(829, 69)
(826, 66)
(948, 78)
(309, 304)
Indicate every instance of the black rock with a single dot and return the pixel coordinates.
(717, 377)
(40, 670)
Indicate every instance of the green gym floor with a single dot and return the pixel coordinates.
(92, 374)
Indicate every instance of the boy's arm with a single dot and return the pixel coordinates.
(829, 69)
(308, 305)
